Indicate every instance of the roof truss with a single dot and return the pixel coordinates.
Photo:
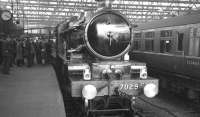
(41, 13)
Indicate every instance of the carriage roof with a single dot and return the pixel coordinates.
(174, 21)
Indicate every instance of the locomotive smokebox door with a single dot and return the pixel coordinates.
(108, 35)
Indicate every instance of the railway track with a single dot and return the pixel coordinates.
(183, 86)
(167, 105)
(73, 109)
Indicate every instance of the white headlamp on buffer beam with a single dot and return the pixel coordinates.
(143, 73)
(150, 90)
(89, 92)
(87, 74)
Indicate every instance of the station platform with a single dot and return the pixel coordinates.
(30, 92)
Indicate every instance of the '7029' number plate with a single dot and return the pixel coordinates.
(128, 86)
(131, 87)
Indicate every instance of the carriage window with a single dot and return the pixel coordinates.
(180, 41)
(149, 45)
(136, 45)
(165, 46)
(199, 51)
(149, 34)
(166, 33)
(138, 35)
(195, 32)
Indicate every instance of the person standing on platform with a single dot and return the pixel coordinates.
(1, 57)
(38, 47)
(32, 52)
(19, 52)
(43, 52)
(13, 51)
(48, 51)
(24, 51)
(1, 41)
(28, 52)
(7, 55)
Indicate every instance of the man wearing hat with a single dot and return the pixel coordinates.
(1, 41)
(6, 53)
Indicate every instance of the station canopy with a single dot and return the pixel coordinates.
(48, 13)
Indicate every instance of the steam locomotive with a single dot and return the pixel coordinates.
(171, 49)
(92, 64)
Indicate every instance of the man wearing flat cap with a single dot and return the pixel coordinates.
(6, 53)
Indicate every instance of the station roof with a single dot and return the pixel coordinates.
(47, 13)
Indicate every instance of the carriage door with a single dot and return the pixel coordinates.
(198, 41)
(166, 41)
(194, 42)
(180, 41)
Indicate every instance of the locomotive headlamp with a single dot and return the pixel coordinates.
(87, 74)
(89, 92)
(150, 90)
(143, 73)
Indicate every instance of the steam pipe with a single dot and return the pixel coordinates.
(104, 3)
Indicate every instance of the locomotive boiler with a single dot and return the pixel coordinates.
(93, 66)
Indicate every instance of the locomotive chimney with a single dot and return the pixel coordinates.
(104, 3)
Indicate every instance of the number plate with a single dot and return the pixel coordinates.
(130, 87)
(126, 86)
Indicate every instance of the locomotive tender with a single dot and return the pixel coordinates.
(90, 62)
(171, 48)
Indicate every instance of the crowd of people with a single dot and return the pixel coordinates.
(23, 52)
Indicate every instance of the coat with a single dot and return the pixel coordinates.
(6, 48)
(19, 51)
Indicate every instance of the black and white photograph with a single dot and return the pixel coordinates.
(99, 58)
